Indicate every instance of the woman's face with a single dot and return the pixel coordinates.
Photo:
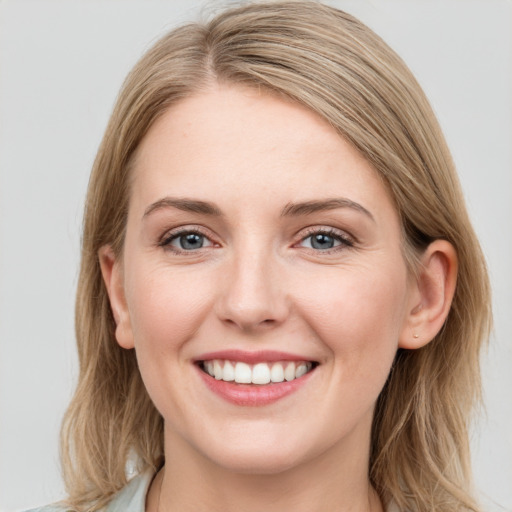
(259, 245)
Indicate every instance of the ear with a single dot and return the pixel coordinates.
(431, 295)
(112, 271)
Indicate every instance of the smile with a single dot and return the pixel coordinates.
(261, 373)
(254, 378)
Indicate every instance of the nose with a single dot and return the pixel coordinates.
(254, 295)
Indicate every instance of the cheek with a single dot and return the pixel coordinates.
(166, 307)
(358, 314)
(165, 310)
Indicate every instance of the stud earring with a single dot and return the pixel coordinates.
(416, 336)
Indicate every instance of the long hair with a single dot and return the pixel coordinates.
(330, 62)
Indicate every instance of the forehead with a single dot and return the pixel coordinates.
(230, 141)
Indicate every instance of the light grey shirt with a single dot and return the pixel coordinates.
(131, 498)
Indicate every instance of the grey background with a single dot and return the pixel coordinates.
(61, 65)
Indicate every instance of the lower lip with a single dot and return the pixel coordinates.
(253, 394)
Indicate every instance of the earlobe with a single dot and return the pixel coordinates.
(431, 296)
(111, 270)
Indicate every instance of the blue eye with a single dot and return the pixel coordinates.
(323, 241)
(187, 241)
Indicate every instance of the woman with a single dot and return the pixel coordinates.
(281, 300)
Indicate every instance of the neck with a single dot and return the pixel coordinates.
(335, 481)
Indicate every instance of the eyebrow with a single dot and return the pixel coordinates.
(187, 205)
(309, 207)
(290, 210)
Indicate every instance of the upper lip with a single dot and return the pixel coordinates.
(252, 357)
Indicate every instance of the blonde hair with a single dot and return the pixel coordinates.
(330, 62)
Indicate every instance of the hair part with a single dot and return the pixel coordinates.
(331, 63)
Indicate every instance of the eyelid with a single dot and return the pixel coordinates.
(165, 240)
(346, 239)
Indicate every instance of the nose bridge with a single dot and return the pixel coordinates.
(253, 295)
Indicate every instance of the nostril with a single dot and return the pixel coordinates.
(249, 320)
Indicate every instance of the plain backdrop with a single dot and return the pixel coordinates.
(61, 65)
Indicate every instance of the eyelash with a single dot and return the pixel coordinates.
(343, 238)
(345, 241)
(169, 237)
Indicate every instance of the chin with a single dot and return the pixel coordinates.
(262, 453)
(257, 462)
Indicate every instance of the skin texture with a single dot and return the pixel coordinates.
(257, 283)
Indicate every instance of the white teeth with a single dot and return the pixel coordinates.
(217, 370)
(243, 373)
(229, 372)
(260, 373)
(277, 373)
(301, 370)
(289, 372)
(208, 365)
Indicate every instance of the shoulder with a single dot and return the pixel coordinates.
(131, 498)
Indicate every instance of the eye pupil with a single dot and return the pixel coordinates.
(322, 241)
(191, 241)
